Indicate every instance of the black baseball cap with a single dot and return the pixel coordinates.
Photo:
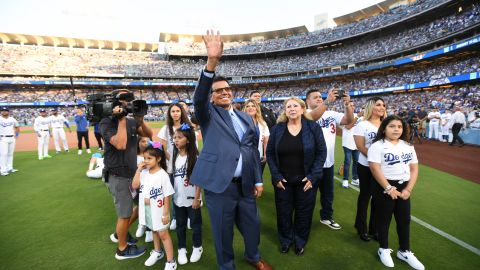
(4, 109)
(42, 110)
(54, 109)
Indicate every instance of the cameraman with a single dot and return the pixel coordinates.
(120, 158)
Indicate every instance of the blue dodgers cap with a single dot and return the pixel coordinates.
(54, 109)
(4, 109)
(42, 110)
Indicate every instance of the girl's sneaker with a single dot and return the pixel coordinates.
(196, 254)
(155, 256)
(408, 256)
(171, 265)
(385, 257)
(182, 256)
(140, 231)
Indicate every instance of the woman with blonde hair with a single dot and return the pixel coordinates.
(296, 152)
(252, 108)
(363, 134)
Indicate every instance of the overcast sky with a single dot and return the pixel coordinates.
(143, 20)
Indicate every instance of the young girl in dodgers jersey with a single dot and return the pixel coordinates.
(394, 165)
(154, 184)
(187, 198)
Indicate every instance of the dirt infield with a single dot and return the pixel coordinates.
(460, 161)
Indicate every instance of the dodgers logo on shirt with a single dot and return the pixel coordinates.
(180, 172)
(391, 159)
(372, 135)
(407, 157)
(325, 123)
(6, 124)
(156, 192)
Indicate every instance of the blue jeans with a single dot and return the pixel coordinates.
(349, 155)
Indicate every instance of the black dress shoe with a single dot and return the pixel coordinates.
(299, 251)
(364, 237)
(285, 248)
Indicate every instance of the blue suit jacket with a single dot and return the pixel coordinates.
(221, 147)
(314, 150)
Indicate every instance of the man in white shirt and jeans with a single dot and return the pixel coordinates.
(328, 121)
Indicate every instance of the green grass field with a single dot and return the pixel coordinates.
(54, 217)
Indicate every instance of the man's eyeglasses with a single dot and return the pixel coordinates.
(220, 90)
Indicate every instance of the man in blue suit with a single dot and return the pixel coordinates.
(228, 168)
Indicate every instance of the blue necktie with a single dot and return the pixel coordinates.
(237, 125)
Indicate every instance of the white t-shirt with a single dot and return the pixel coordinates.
(156, 187)
(263, 132)
(394, 159)
(369, 131)
(347, 136)
(41, 124)
(328, 122)
(7, 126)
(57, 121)
(164, 134)
(184, 191)
(432, 114)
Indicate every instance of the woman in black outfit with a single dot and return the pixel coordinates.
(296, 152)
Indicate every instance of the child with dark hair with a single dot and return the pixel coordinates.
(187, 198)
(154, 210)
(394, 165)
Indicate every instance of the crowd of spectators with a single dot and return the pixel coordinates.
(390, 78)
(325, 35)
(466, 96)
(82, 62)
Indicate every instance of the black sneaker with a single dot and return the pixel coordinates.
(130, 252)
(130, 239)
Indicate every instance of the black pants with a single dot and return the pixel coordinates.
(385, 207)
(455, 130)
(294, 213)
(366, 182)
(182, 215)
(98, 136)
(83, 134)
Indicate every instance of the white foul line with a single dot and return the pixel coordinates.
(432, 228)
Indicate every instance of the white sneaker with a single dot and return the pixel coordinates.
(331, 223)
(182, 256)
(385, 257)
(355, 182)
(345, 183)
(188, 224)
(170, 265)
(408, 257)
(155, 256)
(88, 151)
(79, 152)
(140, 231)
(196, 254)
(148, 236)
(173, 225)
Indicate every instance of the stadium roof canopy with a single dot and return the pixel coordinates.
(165, 37)
(369, 11)
(23, 39)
